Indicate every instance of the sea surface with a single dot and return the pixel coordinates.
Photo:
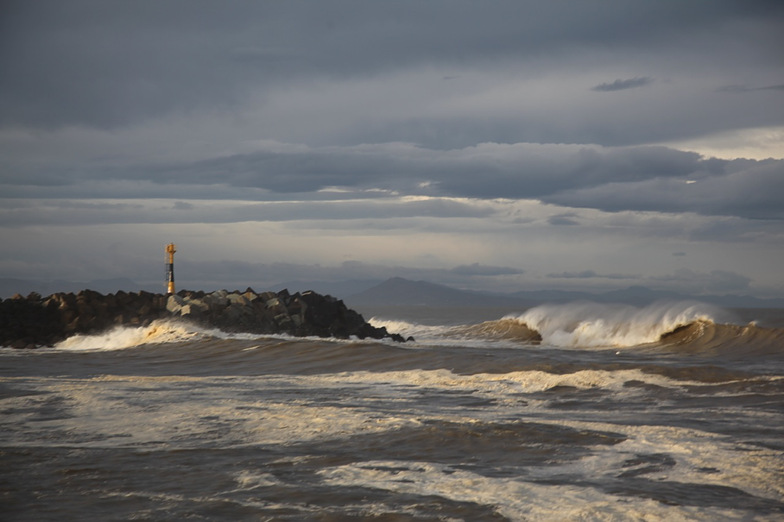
(580, 411)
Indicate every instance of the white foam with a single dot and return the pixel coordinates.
(501, 385)
(749, 468)
(248, 480)
(122, 411)
(512, 498)
(276, 409)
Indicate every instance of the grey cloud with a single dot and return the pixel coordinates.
(86, 187)
(485, 171)
(743, 88)
(80, 212)
(682, 280)
(620, 85)
(538, 173)
(563, 219)
(484, 270)
(585, 274)
(590, 274)
(383, 118)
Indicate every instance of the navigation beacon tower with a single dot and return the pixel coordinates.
(170, 250)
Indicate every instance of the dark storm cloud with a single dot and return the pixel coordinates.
(110, 63)
(620, 85)
(118, 65)
(611, 179)
(486, 171)
(746, 189)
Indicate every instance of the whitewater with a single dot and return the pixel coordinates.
(579, 411)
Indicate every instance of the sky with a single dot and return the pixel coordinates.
(502, 145)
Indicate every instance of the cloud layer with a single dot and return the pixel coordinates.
(523, 143)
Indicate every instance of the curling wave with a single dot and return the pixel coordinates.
(744, 340)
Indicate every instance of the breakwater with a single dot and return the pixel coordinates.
(28, 322)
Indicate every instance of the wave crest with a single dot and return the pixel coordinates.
(507, 329)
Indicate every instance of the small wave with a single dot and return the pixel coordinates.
(703, 335)
(406, 328)
(157, 332)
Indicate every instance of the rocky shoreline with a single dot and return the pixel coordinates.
(33, 321)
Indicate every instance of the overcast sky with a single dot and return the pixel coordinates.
(497, 145)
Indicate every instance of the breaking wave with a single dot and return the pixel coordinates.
(157, 332)
(591, 324)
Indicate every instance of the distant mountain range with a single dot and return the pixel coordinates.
(403, 292)
(398, 291)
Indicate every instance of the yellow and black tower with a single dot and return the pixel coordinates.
(170, 250)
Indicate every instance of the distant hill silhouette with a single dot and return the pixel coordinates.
(404, 292)
(398, 291)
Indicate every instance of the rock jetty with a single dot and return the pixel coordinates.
(28, 322)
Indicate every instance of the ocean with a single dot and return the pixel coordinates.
(579, 411)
